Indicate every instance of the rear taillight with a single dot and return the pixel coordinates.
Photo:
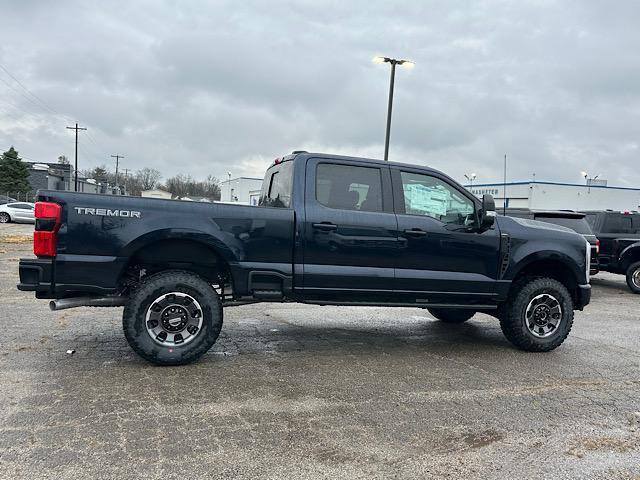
(597, 247)
(48, 220)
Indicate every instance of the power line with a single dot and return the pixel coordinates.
(35, 100)
(15, 90)
(42, 102)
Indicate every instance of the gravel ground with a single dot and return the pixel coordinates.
(296, 391)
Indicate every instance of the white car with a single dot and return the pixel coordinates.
(19, 212)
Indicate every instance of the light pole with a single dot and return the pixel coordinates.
(393, 62)
(588, 179)
(229, 174)
(471, 177)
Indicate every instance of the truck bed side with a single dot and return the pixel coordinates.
(112, 234)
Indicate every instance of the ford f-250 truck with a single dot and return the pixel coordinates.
(330, 230)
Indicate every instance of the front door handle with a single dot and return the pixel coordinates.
(415, 232)
(325, 226)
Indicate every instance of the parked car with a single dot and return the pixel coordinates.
(19, 212)
(329, 230)
(619, 235)
(6, 199)
(576, 221)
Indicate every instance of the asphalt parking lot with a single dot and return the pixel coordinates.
(295, 391)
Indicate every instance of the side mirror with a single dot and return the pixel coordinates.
(488, 213)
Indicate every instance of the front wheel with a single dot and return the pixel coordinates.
(172, 318)
(451, 315)
(633, 277)
(538, 316)
(4, 217)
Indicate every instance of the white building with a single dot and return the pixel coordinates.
(244, 190)
(560, 196)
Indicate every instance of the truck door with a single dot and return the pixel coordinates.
(615, 226)
(441, 258)
(350, 239)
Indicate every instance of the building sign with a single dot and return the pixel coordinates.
(484, 191)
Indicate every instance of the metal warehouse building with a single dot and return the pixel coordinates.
(558, 196)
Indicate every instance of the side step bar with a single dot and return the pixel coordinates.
(64, 303)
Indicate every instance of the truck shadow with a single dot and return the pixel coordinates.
(286, 337)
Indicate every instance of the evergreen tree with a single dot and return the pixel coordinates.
(14, 174)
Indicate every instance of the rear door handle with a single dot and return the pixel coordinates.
(325, 226)
(415, 232)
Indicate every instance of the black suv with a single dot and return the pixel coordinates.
(565, 218)
(619, 235)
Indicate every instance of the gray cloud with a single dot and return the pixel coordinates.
(203, 88)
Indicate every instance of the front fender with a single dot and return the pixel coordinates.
(528, 254)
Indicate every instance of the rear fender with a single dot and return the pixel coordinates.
(224, 244)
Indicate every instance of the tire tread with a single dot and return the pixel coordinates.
(511, 321)
(153, 285)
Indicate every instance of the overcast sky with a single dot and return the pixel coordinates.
(209, 87)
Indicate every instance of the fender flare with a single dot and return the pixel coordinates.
(627, 251)
(546, 256)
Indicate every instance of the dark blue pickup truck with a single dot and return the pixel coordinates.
(330, 230)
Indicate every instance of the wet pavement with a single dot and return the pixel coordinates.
(296, 391)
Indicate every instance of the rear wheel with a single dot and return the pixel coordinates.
(633, 277)
(172, 318)
(538, 316)
(4, 217)
(451, 315)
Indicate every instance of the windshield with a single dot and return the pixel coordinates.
(579, 225)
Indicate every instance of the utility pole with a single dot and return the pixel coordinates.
(76, 128)
(126, 176)
(117, 157)
(504, 186)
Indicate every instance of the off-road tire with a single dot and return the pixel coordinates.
(451, 315)
(633, 277)
(5, 217)
(512, 315)
(147, 292)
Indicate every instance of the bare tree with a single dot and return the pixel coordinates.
(149, 178)
(184, 185)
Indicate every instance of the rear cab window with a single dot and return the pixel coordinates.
(277, 186)
(591, 220)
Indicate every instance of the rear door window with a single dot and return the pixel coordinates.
(617, 223)
(348, 187)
